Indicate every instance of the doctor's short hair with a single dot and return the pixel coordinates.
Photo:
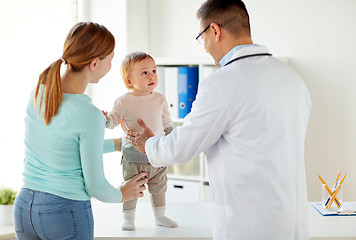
(129, 61)
(231, 14)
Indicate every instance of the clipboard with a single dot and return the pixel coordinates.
(347, 209)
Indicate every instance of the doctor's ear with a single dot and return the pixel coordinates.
(216, 29)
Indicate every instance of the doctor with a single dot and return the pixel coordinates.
(250, 117)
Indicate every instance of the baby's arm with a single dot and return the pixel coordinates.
(106, 115)
(166, 118)
(114, 117)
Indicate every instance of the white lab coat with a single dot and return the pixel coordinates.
(250, 117)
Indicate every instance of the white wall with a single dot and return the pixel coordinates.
(28, 45)
(173, 28)
(137, 24)
(318, 37)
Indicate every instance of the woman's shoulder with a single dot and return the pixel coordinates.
(81, 107)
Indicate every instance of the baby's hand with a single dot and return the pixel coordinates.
(106, 115)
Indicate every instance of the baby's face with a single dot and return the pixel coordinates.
(143, 77)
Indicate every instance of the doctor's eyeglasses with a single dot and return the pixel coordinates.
(199, 38)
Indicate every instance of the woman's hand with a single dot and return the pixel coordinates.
(118, 143)
(139, 139)
(134, 187)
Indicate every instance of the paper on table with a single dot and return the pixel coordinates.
(347, 209)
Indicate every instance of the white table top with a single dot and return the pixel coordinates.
(330, 226)
(194, 220)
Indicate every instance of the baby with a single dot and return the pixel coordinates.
(139, 72)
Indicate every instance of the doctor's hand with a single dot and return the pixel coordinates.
(134, 187)
(139, 139)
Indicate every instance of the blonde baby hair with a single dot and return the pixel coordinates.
(129, 60)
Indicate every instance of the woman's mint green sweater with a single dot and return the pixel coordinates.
(65, 157)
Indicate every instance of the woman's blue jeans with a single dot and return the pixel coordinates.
(40, 215)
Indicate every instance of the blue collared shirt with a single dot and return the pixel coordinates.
(225, 59)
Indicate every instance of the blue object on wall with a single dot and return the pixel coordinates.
(188, 79)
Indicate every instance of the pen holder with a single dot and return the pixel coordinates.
(325, 196)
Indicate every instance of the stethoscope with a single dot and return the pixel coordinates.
(247, 56)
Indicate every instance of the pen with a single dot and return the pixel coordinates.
(336, 191)
(332, 191)
(329, 191)
(337, 178)
(347, 212)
